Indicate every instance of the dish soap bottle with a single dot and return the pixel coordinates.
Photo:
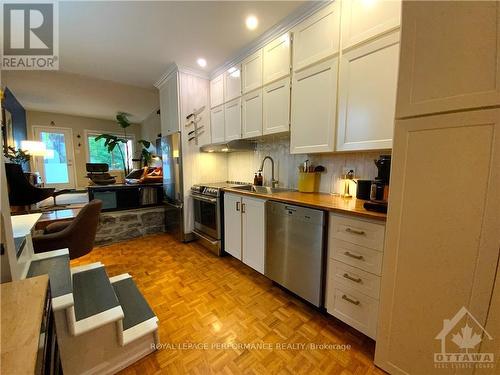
(260, 180)
(255, 180)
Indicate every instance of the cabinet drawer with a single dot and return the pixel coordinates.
(355, 255)
(343, 274)
(358, 232)
(353, 308)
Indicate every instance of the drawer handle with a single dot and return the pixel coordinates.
(358, 257)
(237, 206)
(354, 231)
(350, 300)
(356, 280)
(243, 208)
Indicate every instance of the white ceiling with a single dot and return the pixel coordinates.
(133, 43)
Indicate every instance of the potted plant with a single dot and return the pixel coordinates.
(111, 141)
(18, 156)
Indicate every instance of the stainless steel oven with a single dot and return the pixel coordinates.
(207, 215)
(208, 206)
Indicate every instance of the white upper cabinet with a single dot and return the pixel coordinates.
(217, 124)
(277, 59)
(232, 83)
(232, 118)
(363, 20)
(252, 72)
(367, 95)
(169, 105)
(252, 114)
(317, 37)
(276, 104)
(451, 59)
(314, 96)
(217, 91)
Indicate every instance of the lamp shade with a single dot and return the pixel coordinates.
(34, 148)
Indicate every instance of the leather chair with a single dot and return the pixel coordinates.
(77, 235)
(24, 193)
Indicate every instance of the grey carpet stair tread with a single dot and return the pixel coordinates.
(134, 305)
(59, 273)
(92, 293)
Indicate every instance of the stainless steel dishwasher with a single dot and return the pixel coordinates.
(294, 249)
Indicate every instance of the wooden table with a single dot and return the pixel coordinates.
(22, 312)
(55, 216)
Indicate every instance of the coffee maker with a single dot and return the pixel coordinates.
(379, 191)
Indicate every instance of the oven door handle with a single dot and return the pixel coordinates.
(205, 199)
(205, 237)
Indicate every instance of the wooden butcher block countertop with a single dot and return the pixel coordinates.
(321, 201)
(23, 304)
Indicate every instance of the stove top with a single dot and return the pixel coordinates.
(214, 188)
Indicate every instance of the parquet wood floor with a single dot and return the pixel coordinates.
(202, 299)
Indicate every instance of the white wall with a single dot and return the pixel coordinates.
(150, 128)
(78, 125)
(243, 165)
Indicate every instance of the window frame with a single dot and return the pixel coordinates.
(91, 133)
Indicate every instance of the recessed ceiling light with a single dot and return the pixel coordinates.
(252, 22)
(202, 62)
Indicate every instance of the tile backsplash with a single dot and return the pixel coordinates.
(241, 166)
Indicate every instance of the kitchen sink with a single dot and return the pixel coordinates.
(262, 189)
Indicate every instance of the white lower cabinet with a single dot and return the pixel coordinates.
(232, 225)
(353, 271)
(244, 229)
(253, 213)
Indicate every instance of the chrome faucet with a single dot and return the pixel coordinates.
(274, 183)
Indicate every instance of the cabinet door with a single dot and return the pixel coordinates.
(232, 116)
(169, 106)
(253, 232)
(252, 114)
(217, 91)
(451, 60)
(439, 246)
(277, 59)
(277, 107)
(314, 95)
(217, 124)
(317, 37)
(252, 72)
(367, 95)
(362, 20)
(232, 83)
(232, 225)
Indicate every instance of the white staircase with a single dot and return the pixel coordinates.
(103, 324)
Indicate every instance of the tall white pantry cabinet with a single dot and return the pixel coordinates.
(443, 238)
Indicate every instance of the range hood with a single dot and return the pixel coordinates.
(231, 146)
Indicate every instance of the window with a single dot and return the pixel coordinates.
(98, 153)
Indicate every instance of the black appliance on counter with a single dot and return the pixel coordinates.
(379, 189)
(208, 206)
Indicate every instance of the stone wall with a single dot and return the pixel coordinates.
(122, 225)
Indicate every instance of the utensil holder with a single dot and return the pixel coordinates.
(308, 182)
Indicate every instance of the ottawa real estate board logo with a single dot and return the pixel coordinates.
(30, 35)
(460, 338)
